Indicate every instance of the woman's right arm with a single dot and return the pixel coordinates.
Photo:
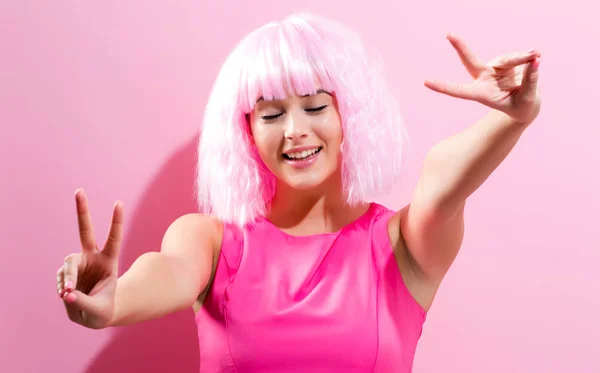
(160, 283)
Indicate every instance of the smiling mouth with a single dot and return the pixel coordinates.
(303, 155)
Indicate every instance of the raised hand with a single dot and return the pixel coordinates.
(87, 280)
(508, 83)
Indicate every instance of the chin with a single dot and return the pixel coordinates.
(312, 177)
(306, 181)
(304, 186)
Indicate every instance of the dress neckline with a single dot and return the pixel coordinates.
(353, 223)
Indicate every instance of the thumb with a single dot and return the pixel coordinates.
(529, 85)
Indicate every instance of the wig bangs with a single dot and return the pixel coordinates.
(283, 60)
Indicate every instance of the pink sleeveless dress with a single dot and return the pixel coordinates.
(332, 302)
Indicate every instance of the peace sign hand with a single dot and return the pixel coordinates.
(87, 281)
(508, 83)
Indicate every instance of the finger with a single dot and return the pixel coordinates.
(84, 219)
(60, 281)
(115, 234)
(473, 64)
(529, 85)
(512, 60)
(77, 302)
(464, 91)
(73, 311)
(70, 270)
(512, 81)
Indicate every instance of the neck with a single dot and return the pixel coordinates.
(318, 210)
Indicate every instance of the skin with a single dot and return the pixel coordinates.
(426, 234)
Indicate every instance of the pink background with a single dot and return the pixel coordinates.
(108, 96)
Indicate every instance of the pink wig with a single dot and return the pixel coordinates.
(296, 56)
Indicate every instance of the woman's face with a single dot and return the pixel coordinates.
(299, 138)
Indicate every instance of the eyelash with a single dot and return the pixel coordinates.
(309, 110)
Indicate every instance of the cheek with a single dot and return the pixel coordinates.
(266, 145)
(331, 132)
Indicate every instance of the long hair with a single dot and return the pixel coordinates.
(297, 56)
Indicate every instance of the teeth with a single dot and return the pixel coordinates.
(302, 154)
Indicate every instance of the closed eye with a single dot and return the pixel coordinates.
(316, 109)
(308, 110)
(271, 117)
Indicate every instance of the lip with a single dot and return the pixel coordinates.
(306, 162)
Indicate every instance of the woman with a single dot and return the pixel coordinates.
(290, 269)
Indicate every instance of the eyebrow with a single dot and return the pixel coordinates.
(261, 98)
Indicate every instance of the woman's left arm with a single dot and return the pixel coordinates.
(432, 224)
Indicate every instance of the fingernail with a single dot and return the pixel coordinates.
(69, 285)
(531, 50)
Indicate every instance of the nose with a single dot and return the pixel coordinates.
(296, 127)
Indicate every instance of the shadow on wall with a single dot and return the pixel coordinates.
(169, 344)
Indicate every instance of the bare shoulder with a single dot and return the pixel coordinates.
(201, 222)
(191, 232)
(420, 287)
